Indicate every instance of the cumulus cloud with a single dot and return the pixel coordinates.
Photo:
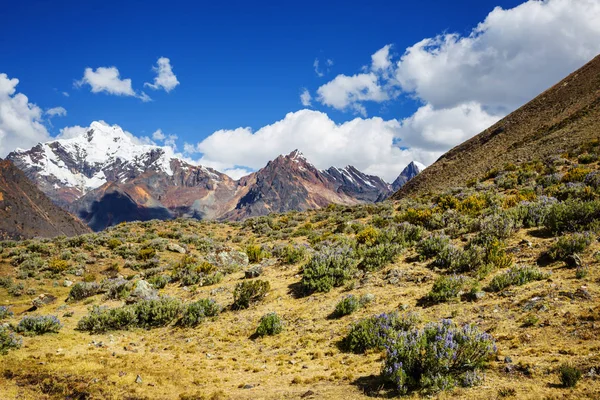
(165, 78)
(70, 132)
(348, 92)
(108, 80)
(305, 97)
(507, 59)
(56, 112)
(166, 139)
(20, 121)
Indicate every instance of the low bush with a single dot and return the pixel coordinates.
(517, 276)
(569, 244)
(195, 313)
(248, 292)
(83, 290)
(38, 325)
(433, 245)
(291, 254)
(5, 313)
(270, 324)
(436, 358)
(255, 253)
(155, 313)
(372, 332)
(572, 216)
(346, 306)
(569, 375)
(330, 267)
(377, 257)
(446, 288)
(143, 314)
(159, 281)
(8, 340)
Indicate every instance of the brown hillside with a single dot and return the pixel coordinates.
(558, 120)
(26, 212)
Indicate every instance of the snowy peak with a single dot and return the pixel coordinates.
(66, 169)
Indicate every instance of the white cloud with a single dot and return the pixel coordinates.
(305, 98)
(65, 94)
(70, 132)
(108, 80)
(158, 135)
(56, 112)
(319, 73)
(441, 129)
(380, 60)
(507, 59)
(347, 92)
(20, 121)
(368, 144)
(165, 78)
(166, 140)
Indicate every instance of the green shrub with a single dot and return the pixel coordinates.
(569, 244)
(195, 313)
(377, 257)
(372, 332)
(446, 288)
(113, 243)
(159, 281)
(8, 340)
(57, 265)
(270, 324)
(436, 358)
(255, 253)
(433, 245)
(249, 292)
(572, 216)
(155, 313)
(569, 375)
(330, 267)
(517, 276)
(146, 253)
(38, 325)
(101, 319)
(346, 306)
(291, 254)
(5, 313)
(82, 290)
(368, 236)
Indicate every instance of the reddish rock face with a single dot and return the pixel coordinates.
(26, 212)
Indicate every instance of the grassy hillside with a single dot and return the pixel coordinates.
(556, 121)
(515, 254)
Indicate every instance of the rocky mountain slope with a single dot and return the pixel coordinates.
(26, 212)
(106, 176)
(556, 121)
(413, 169)
(291, 182)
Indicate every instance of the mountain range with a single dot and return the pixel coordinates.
(106, 176)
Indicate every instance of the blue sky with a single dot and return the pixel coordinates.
(239, 63)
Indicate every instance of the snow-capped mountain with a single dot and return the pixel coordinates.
(66, 169)
(107, 176)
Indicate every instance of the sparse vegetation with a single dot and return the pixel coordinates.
(270, 324)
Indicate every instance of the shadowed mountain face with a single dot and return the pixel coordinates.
(556, 121)
(141, 181)
(26, 212)
(406, 175)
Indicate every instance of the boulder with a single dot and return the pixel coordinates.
(175, 248)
